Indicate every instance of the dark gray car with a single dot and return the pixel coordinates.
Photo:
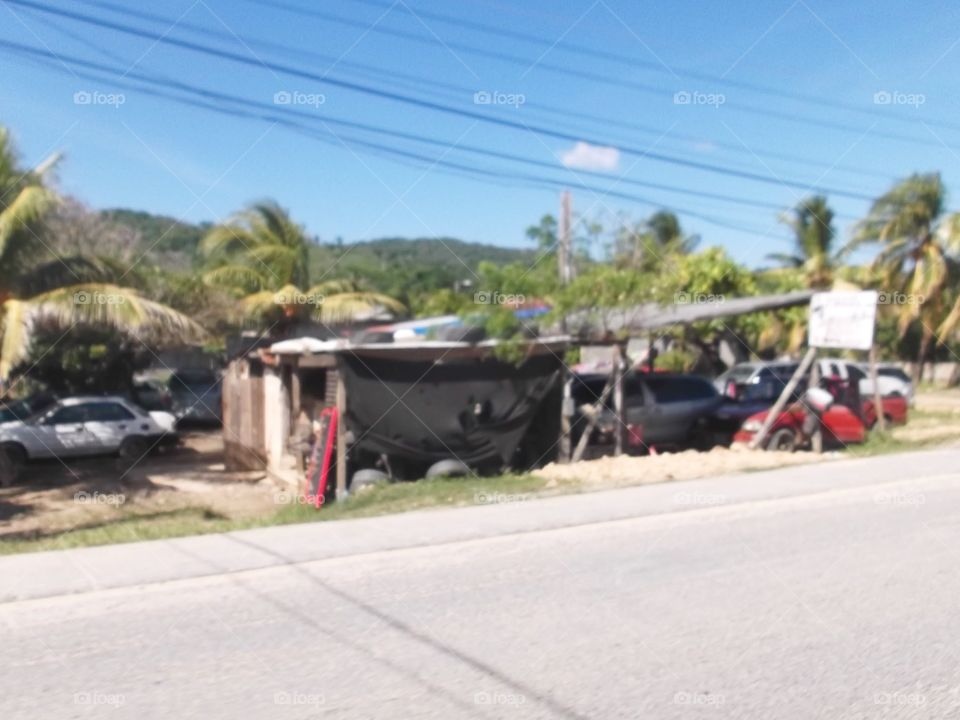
(661, 408)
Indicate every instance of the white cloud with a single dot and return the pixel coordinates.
(585, 156)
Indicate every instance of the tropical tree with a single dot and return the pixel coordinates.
(813, 235)
(262, 255)
(39, 292)
(647, 244)
(916, 242)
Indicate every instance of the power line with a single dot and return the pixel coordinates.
(429, 105)
(56, 63)
(527, 63)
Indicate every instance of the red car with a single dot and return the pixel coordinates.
(840, 425)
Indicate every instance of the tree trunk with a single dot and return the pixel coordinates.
(922, 356)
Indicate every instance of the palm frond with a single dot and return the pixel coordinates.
(236, 277)
(347, 307)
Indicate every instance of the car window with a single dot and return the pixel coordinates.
(894, 373)
(678, 389)
(856, 374)
(67, 415)
(107, 412)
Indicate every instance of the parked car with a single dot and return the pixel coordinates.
(90, 425)
(661, 408)
(894, 378)
(152, 395)
(196, 395)
(14, 411)
(888, 383)
(841, 426)
(747, 389)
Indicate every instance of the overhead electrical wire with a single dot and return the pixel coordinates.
(429, 105)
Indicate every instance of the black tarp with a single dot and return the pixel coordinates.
(475, 409)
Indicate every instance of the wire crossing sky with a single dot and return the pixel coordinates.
(369, 119)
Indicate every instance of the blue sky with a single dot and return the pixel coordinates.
(154, 154)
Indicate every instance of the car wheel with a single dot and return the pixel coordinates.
(447, 468)
(12, 459)
(133, 448)
(783, 440)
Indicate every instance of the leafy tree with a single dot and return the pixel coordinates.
(263, 255)
(544, 234)
(63, 292)
(647, 244)
(813, 235)
(915, 238)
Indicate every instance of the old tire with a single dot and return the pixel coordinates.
(783, 440)
(366, 478)
(447, 468)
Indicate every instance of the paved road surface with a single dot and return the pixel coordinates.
(827, 592)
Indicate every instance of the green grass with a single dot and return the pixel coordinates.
(378, 500)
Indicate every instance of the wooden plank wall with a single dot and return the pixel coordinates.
(243, 431)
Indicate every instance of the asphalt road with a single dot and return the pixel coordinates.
(827, 592)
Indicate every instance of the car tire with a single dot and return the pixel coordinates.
(133, 448)
(367, 477)
(783, 440)
(448, 468)
(12, 459)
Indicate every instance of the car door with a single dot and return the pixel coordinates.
(109, 423)
(663, 414)
(61, 433)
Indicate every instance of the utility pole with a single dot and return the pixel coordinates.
(564, 259)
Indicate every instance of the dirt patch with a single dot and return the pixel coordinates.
(687, 465)
(54, 497)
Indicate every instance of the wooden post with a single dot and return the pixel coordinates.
(816, 442)
(566, 415)
(877, 400)
(777, 408)
(619, 406)
(341, 437)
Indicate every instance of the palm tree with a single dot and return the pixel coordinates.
(262, 255)
(813, 235)
(646, 244)
(64, 292)
(913, 258)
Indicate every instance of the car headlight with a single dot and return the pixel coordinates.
(752, 426)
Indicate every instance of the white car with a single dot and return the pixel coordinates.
(889, 384)
(92, 425)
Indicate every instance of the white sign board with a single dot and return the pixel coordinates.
(843, 320)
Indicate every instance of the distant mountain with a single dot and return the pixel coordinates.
(159, 233)
(396, 266)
